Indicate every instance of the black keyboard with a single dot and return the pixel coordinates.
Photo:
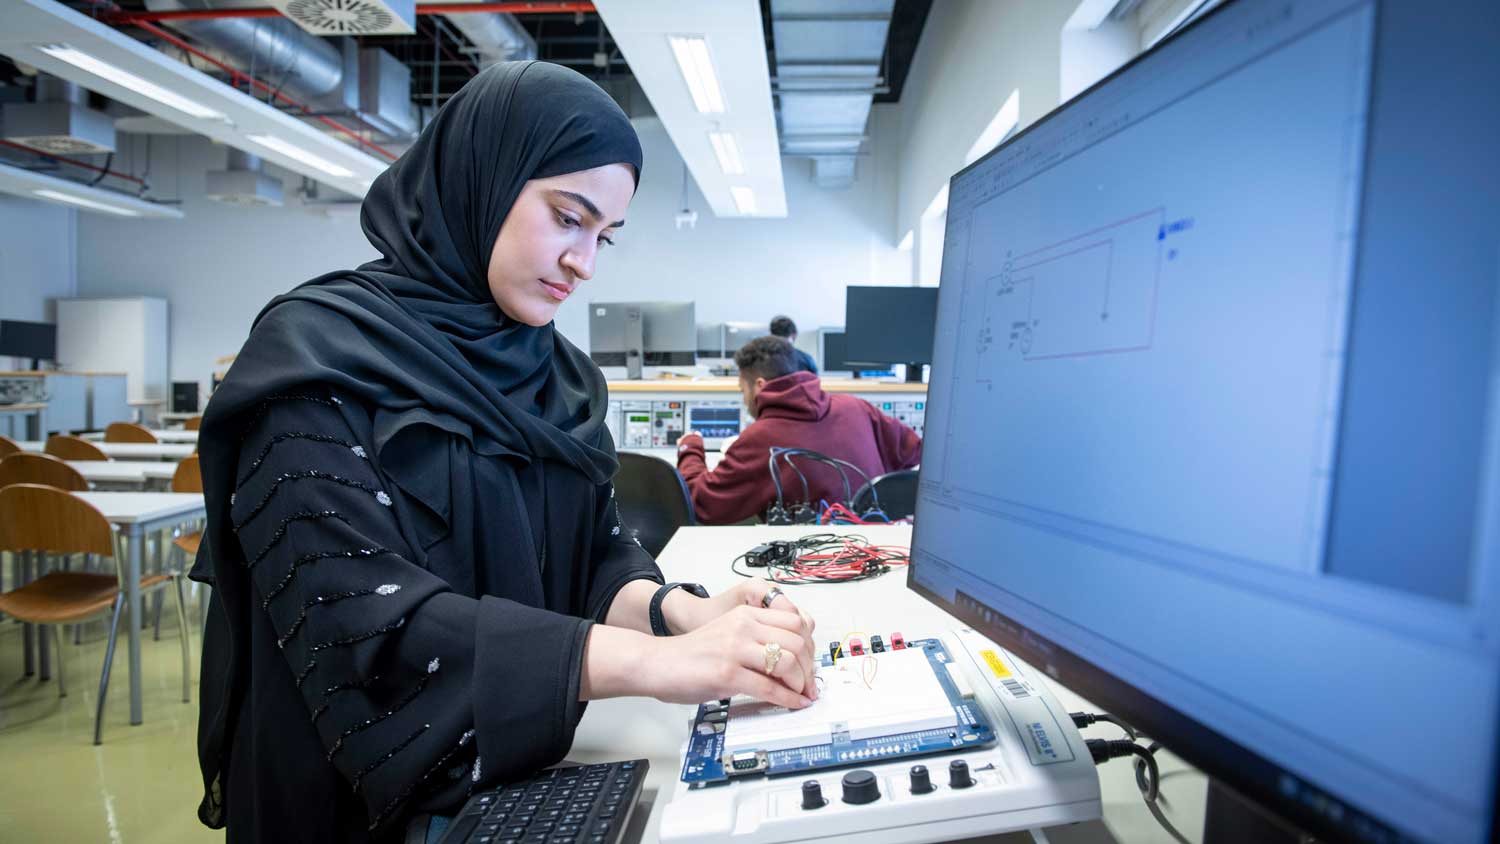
(588, 804)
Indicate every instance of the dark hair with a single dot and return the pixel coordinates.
(766, 357)
(783, 326)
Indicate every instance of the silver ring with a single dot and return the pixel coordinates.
(773, 656)
(771, 594)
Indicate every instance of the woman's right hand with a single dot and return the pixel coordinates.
(727, 657)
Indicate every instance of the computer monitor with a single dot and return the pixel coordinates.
(1216, 441)
(737, 334)
(890, 325)
(632, 334)
(35, 340)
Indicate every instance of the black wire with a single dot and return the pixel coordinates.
(1152, 788)
(1118, 723)
(1140, 771)
(108, 162)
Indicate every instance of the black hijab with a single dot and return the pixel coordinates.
(416, 337)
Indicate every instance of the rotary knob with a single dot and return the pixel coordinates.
(861, 787)
(921, 782)
(812, 795)
(958, 774)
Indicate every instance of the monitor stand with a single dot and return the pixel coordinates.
(635, 343)
(1231, 819)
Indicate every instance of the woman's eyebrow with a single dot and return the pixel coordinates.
(588, 206)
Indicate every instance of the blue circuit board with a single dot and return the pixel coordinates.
(706, 762)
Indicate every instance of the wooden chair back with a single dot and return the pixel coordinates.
(34, 517)
(42, 469)
(8, 447)
(69, 447)
(193, 423)
(128, 432)
(188, 478)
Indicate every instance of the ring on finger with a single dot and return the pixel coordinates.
(773, 656)
(771, 594)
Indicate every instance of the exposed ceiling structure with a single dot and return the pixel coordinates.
(333, 92)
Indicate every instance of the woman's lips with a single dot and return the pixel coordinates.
(556, 291)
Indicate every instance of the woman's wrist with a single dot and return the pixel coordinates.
(613, 659)
(685, 612)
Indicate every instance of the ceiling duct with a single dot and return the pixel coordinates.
(60, 121)
(828, 55)
(352, 17)
(323, 74)
(243, 182)
(496, 37)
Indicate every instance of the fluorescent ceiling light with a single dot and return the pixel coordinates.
(727, 149)
(104, 70)
(58, 196)
(276, 144)
(698, 69)
(744, 199)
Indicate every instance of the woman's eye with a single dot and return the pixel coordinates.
(565, 221)
(604, 241)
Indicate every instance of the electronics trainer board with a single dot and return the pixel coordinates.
(886, 704)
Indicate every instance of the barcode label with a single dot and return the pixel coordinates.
(1015, 689)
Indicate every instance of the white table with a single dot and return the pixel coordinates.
(137, 514)
(174, 417)
(33, 412)
(128, 451)
(124, 471)
(637, 727)
(712, 458)
(163, 435)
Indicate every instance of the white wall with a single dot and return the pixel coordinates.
(220, 264)
(37, 260)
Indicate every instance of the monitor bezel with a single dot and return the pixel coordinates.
(1227, 762)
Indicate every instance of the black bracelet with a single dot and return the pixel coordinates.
(658, 622)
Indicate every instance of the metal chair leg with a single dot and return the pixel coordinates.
(109, 659)
(62, 674)
(182, 627)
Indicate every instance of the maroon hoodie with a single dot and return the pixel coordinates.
(794, 412)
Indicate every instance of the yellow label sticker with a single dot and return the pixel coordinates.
(993, 660)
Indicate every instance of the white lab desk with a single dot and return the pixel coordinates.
(138, 472)
(712, 458)
(128, 451)
(31, 415)
(137, 514)
(163, 435)
(642, 728)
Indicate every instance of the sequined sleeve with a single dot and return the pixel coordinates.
(384, 654)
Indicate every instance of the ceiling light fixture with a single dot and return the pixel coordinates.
(697, 69)
(727, 149)
(58, 196)
(744, 199)
(276, 144)
(108, 72)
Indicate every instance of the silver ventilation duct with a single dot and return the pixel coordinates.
(828, 56)
(308, 68)
(243, 182)
(496, 37)
(60, 121)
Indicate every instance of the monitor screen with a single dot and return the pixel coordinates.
(835, 353)
(889, 324)
(668, 333)
(714, 421)
(1213, 435)
(28, 339)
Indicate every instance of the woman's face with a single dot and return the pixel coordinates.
(550, 239)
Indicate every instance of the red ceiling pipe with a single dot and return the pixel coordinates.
(74, 162)
(434, 9)
(237, 75)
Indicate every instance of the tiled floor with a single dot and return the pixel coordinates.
(141, 785)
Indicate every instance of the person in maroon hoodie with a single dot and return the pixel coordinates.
(791, 410)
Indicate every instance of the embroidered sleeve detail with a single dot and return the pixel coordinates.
(307, 559)
(387, 756)
(310, 474)
(405, 793)
(293, 435)
(345, 686)
(323, 600)
(304, 516)
(366, 724)
(358, 637)
(265, 407)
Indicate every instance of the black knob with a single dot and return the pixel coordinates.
(921, 783)
(812, 795)
(861, 787)
(958, 774)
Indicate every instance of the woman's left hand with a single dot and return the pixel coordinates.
(693, 613)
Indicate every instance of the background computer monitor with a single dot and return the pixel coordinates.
(1216, 441)
(632, 334)
(737, 334)
(890, 325)
(35, 340)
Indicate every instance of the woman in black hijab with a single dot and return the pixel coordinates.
(418, 566)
